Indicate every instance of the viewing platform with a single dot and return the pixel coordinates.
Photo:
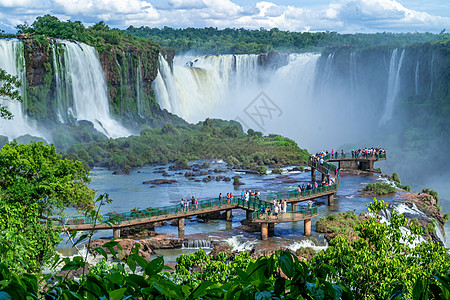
(355, 162)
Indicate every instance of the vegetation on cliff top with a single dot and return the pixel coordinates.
(130, 64)
(224, 41)
(212, 138)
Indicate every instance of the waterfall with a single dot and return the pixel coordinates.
(139, 91)
(353, 78)
(416, 78)
(13, 62)
(197, 86)
(393, 85)
(83, 76)
(196, 244)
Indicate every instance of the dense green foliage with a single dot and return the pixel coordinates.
(97, 35)
(223, 41)
(35, 185)
(381, 188)
(8, 89)
(208, 139)
(342, 224)
(379, 265)
(197, 267)
(382, 257)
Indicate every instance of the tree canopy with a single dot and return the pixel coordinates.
(35, 186)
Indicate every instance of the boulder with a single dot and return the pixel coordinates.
(160, 181)
(127, 245)
(125, 171)
(223, 247)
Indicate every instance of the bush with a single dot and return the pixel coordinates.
(395, 177)
(277, 171)
(380, 188)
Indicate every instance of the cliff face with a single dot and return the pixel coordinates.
(129, 71)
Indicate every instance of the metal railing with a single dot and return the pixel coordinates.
(355, 156)
(173, 211)
(289, 215)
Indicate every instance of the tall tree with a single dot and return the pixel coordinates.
(35, 187)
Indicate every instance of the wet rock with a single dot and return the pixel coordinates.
(160, 181)
(122, 172)
(126, 244)
(219, 171)
(219, 178)
(208, 178)
(163, 242)
(227, 179)
(223, 247)
(165, 174)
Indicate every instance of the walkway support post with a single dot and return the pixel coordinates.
(229, 216)
(271, 229)
(248, 215)
(264, 233)
(181, 226)
(313, 174)
(323, 177)
(331, 199)
(307, 225)
(116, 233)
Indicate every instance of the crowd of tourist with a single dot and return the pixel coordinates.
(188, 204)
(360, 153)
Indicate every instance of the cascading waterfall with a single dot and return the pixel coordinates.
(196, 86)
(353, 78)
(13, 62)
(139, 90)
(64, 98)
(84, 77)
(416, 78)
(393, 82)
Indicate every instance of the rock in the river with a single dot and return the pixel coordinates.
(127, 245)
(160, 181)
(223, 247)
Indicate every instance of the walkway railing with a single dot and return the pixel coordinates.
(174, 211)
(289, 215)
(355, 156)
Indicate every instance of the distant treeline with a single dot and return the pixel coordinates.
(221, 41)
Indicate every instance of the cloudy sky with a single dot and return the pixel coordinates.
(344, 16)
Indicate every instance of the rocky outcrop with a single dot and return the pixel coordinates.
(125, 249)
(223, 247)
(160, 181)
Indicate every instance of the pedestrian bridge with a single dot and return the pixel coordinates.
(256, 208)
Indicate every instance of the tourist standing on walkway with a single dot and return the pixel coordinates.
(220, 198)
(284, 206)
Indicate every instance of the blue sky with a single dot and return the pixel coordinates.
(344, 16)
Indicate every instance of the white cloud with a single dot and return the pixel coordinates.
(341, 16)
(180, 4)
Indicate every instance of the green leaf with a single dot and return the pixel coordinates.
(102, 252)
(131, 264)
(286, 264)
(5, 296)
(266, 295)
(117, 294)
(155, 266)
